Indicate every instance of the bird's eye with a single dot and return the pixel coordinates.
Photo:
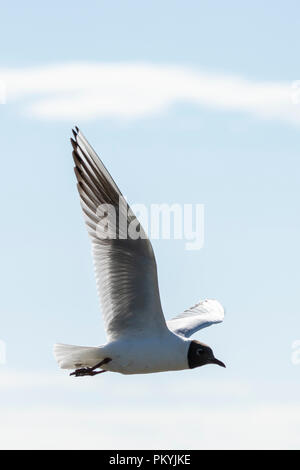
(199, 351)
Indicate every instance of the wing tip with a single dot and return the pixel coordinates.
(75, 132)
(219, 307)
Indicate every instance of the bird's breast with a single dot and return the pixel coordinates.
(147, 355)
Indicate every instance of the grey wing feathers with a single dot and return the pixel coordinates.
(125, 269)
(202, 315)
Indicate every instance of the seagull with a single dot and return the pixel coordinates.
(139, 339)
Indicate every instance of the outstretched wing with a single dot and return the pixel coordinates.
(125, 267)
(203, 314)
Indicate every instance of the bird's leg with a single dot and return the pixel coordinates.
(91, 370)
(86, 371)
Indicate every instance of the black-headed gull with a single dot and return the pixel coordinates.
(140, 341)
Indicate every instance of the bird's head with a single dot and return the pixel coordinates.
(200, 354)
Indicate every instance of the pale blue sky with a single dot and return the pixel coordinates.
(245, 170)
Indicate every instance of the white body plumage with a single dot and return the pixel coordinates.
(132, 355)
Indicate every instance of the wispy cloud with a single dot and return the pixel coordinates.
(52, 411)
(134, 90)
(271, 426)
(15, 380)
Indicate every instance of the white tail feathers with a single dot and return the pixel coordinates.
(75, 357)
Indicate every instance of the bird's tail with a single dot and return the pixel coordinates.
(75, 357)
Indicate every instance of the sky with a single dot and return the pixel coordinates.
(186, 102)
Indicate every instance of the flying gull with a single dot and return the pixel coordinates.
(139, 340)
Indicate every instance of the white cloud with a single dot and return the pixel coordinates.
(16, 380)
(192, 426)
(128, 90)
(53, 411)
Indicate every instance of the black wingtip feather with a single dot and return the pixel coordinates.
(78, 173)
(73, 143)
(77, 159)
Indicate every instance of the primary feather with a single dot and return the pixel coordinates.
(125, 269)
